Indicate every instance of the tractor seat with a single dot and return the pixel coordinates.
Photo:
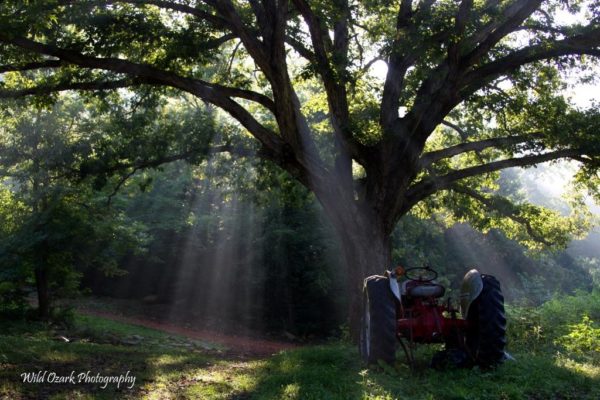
(423, 290)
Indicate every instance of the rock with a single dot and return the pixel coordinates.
(182, 344)
(132, 340)
(204, 345)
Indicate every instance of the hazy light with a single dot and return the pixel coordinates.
(554, 181)
(379, 70)
(584, 95)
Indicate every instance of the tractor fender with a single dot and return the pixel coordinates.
(470, 289)
(394, 287)
(392, 281)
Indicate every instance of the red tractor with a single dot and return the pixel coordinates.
(404, 307)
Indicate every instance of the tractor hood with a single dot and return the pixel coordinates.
(471, 288)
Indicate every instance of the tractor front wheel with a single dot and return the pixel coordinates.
(486, 334)
(378, 324)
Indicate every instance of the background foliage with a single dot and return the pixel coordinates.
(219, 236)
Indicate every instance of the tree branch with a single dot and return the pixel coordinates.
(580, 44)
(261, 18)
(461, 132)
(214, 20)
(464, 11)
(320, 39)
(341, 37)
(47, 89)
(440, 92)
(430, 185)
(333, 80)
(215, 94)
(136, 166)
(242, 94)
(274, 147)
(301, 49)
(278, 13)
(31, 66)
(492, 205)
(251, 42)
(216, 43)
(119, 184)
(433, 156)
(156, 162)
(270, 56)
(398, 64)
(491, 34)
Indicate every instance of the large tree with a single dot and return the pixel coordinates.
(471, 89)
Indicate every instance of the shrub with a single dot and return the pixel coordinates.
(13, 304)
(525, 329)
(558, 314)
(63, 316)
(583, 339)
(544, 327)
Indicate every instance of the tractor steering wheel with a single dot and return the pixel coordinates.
(421, 274)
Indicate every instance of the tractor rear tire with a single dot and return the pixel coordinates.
(486, 335)
(378, 323)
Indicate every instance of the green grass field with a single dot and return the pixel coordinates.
(171, 367)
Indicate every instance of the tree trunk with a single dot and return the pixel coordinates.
(364, 236)
(367, 251)
(41, 282)
(40, 205)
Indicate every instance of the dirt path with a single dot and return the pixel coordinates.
(236, 345)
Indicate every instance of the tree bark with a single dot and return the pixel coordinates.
(366, 249)
(364, 256)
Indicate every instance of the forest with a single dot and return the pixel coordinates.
(192, 194)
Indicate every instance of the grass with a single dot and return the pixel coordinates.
(334, 372)
(166, 370)
(162, 363)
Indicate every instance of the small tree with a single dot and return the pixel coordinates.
(55, 224)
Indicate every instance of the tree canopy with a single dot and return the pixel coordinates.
(471, 88)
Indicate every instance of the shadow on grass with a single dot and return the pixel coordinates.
(335, 372)
(318, 372)
(149, 367)
(160, 371)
